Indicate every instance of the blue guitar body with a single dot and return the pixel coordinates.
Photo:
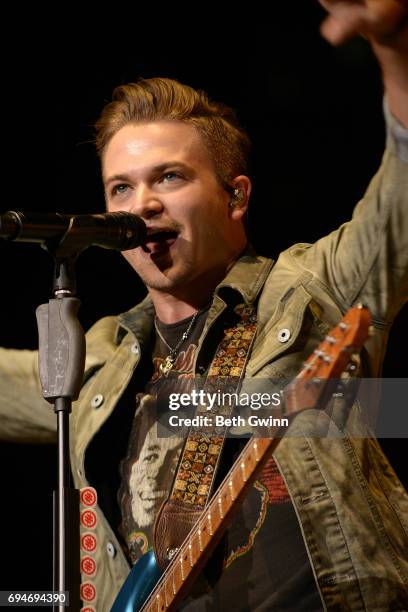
(138, 585)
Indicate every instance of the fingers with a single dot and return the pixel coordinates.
(337, 31)
(377, 19)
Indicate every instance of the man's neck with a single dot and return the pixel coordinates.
(171, 308)
(184, 300)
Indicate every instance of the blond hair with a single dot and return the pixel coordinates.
(160, 99)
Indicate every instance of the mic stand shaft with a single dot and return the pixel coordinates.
(61, 364)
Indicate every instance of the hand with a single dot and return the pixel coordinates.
(378, 20)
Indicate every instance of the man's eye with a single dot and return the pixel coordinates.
(170, 177)
(118, 189)
(151, 457)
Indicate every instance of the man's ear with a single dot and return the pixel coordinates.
(241, 189)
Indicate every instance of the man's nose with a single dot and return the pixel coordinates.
(153, 474)
(146, 203)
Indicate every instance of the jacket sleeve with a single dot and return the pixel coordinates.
(24, 415)
(366, 259)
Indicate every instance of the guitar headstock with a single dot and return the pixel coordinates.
(329, 360)
(334, 353)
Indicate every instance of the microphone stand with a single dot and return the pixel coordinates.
(61, 365)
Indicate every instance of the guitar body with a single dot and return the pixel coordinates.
(138, 585)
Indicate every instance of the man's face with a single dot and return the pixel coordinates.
(151, 474)
(162, 172)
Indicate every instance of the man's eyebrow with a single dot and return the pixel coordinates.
(154, 170)
(170, 164)
(116, 177)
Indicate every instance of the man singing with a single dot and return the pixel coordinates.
(324, 524)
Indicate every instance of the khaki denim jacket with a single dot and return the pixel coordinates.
(352, 509)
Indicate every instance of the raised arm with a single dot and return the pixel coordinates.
(366, 259)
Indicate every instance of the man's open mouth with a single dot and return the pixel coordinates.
(159, 241)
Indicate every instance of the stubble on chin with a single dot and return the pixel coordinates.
(162, 276)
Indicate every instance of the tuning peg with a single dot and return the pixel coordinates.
(339, 389)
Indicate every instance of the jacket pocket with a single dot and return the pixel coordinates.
(292, 327)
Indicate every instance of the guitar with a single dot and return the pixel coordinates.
(147, 588)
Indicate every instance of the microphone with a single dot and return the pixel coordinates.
(118, 230)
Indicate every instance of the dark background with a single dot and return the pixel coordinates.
(313, 112)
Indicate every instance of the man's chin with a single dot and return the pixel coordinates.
(166, 278)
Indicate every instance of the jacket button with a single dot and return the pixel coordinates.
(111, 550)
(135, 348)
(97, 400)
(284, 334)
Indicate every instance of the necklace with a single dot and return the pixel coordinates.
(168, 363)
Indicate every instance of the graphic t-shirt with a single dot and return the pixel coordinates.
(276, 573)
(149, 468)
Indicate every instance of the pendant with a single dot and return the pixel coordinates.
(167, 364)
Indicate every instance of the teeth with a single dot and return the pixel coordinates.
(158, 237)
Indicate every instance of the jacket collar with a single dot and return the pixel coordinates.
(246, 277)
(138, 320)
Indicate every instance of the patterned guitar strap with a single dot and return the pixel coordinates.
(194, 479)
